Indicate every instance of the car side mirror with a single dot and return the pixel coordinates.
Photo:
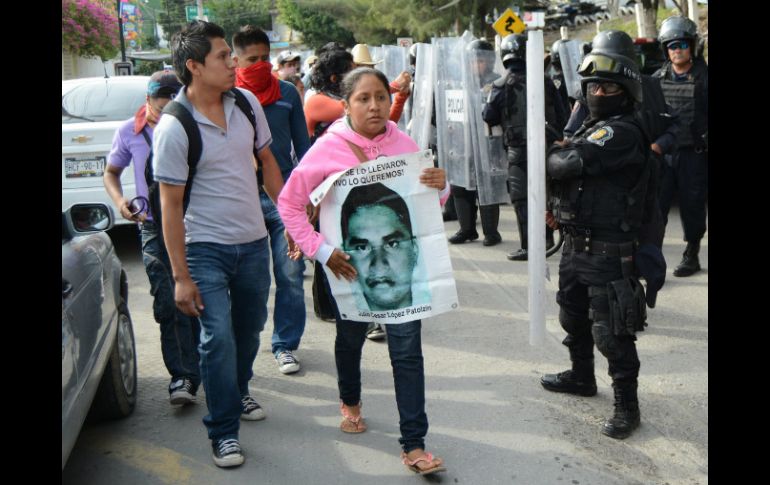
(82, 219)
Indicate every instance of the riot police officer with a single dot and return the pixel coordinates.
(684, 80)
(507, 106)
(465, 200)
(557, 76)
(659, 121)
(598, 178)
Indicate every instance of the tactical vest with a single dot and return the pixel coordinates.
(515, 110)
(681, 97)
(596, 202)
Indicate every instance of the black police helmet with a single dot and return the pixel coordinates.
(513, 47)
(480, 45)
(678, 28)
(614, 42)
(555, 57)
(613, 68)
(481, 49)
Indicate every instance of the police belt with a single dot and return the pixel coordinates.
(584, 244)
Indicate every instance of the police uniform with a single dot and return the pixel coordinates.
(599, 181)
(687, 170)
(507, 106)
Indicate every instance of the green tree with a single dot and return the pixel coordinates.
(231, 15)
(317, 27)
(382, 21)
(173, 17)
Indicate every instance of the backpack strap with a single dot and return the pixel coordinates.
(146, 137)
(243, 104)
(195, 143)
(358, 152)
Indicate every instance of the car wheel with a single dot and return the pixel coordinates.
(116, 396)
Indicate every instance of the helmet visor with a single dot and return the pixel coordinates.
(596, 63)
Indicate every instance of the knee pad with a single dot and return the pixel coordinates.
(605, 340)
(572, 324)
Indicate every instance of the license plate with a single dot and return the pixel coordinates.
(84, 167)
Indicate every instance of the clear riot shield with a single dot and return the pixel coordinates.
(422, 99)
(376, 53)
(453, 135)
(571, 55)
(490, 160)
(395, 61)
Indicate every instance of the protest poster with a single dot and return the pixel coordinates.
(390, 224)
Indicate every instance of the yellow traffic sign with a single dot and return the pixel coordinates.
(509, 23)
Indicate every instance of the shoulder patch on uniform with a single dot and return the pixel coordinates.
(602, 135)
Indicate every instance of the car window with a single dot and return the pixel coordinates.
(102, 101)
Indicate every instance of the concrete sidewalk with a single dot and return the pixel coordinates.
(490, 419)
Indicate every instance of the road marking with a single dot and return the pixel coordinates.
(162, 463)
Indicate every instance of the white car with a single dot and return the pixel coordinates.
(92, 110)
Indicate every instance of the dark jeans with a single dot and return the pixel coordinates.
(179, 334)
(405, 349)
(234, 283)
(689, 177)
(289, 308)
(578, 271)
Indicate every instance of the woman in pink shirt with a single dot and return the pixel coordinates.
(366, 99)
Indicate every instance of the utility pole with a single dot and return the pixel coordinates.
(120, 33)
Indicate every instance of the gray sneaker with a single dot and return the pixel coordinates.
(287, 362)
(251, 411)
(227, 453)
(181, 392)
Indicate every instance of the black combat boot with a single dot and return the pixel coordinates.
(490, 218)
(690, 263)
(579, 380)
(466, 215)
(626, 417)
(462, 236)
(521, 222)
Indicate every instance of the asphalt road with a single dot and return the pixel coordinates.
(490, 419)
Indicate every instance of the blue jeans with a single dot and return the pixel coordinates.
(405, 350)
(179, 334)
(289, 309)
(234, 283)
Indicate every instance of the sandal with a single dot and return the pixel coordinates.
(437, 464)
(350, 423)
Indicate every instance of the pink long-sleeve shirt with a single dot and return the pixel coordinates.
(329, 155)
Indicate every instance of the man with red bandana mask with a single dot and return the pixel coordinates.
(179, 334)
(283, 109)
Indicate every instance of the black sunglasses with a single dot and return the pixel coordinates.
(678, 44)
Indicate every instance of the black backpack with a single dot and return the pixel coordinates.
(195, 148)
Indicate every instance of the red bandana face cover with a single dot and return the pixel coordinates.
(258, 79)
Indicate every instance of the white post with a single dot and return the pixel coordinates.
(200, 11)
(564, 30)
(536, 186)
(692, 10)
(641, 31)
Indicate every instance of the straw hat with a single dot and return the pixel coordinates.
(362, 56)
